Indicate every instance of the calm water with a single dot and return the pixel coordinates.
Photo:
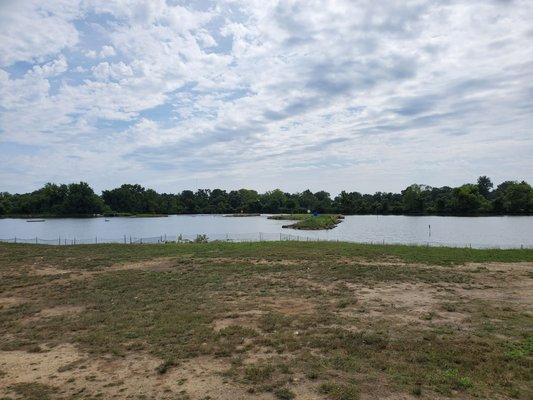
(477, 232)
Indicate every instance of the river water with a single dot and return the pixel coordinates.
(503, 232)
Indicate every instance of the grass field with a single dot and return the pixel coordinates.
(278, 320)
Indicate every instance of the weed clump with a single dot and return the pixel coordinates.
(165, 366)
(284, 394)
(336, 391)
(258, 373)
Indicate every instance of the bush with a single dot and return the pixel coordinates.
(336, 391)
(165, 366)
(284, 394)
(201, 239)
(258, 373)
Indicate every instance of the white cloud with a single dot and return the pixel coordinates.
(115, 71)
(24, 92)
(105, 52)
(53, 68)
(343, 94)
(34, 30)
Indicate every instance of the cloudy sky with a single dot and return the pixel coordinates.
(359, 95)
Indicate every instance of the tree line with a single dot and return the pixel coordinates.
(79, 199)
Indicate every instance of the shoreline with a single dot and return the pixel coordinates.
(125, 215)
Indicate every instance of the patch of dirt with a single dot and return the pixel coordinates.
(20, 366)
(384, 261)
(422, 304)
(306, 391)
(394, 261)
(203, 380)
(158, 264)
(132, 376)
(6, 302)
(402, 295)
(290, 305)
(405, 303)
(47, 270)
(53, 312)
(252, 261)
(275, 262)
(315, 285)
(520, 294)
(519, 267)
(395, 396)
(60, 310)
(510, 283)
(247, 319)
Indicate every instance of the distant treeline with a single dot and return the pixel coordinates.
(79, 199)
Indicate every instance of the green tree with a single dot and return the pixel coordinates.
(413, 200)
(323, 202)
(308, 201)
(274, 201)
(218, 202)
(508, 198)
(202, 200)
(82, 200)
(485, 185)
(5, 203)
(126, 199)
(514, 198)
(466, 199)
(187, 198)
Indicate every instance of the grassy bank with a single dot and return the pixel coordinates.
(289, 217)
(310, 222)
(264, 320)
(319, 222)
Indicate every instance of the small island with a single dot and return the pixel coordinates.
(310, 222)
(243, 215)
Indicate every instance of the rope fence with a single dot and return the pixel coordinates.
(238, 238)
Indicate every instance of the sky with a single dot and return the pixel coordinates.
(356, 95)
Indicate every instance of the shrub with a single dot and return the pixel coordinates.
(165, 366)
(336, 391)
(284, 394)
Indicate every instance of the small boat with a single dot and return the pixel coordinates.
(106, 220)
(35, 220)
